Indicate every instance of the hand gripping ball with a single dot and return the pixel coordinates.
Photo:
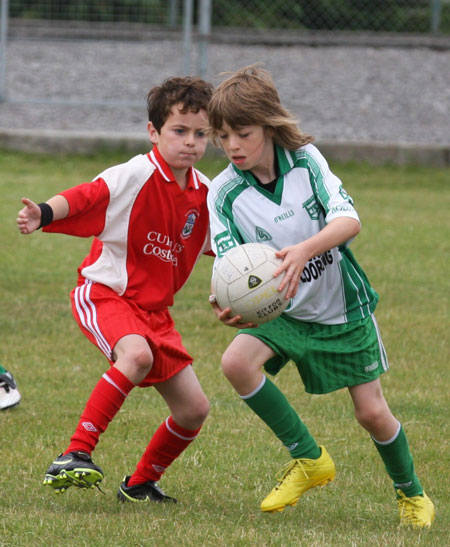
(243, 281)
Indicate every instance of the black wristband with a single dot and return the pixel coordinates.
(46, 214)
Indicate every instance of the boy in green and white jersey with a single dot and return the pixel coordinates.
(333, 289)
(279, 190)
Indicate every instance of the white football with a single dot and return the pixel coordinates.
(243, 281)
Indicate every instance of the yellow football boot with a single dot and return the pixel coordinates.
(417, 511)
(296, 477)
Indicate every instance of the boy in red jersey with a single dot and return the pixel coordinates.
(149, 220)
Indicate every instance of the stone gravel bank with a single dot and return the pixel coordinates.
(340, 94)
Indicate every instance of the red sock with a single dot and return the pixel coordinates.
(167, 443)
(105, 400)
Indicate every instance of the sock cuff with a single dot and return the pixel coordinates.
(392, 439)
(256, 390)
(181, 432)
(118, 379)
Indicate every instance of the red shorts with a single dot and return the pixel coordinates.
(105, 317)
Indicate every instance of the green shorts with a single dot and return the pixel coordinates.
(328, 357)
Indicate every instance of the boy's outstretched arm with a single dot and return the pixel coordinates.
(29, 218)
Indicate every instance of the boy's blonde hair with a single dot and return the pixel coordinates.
(249, 97)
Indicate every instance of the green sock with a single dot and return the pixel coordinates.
(399, 464)
(273, 408)
(2, 370)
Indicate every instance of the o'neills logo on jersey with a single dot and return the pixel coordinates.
(192, 216)
(161, 246)
(316, 267)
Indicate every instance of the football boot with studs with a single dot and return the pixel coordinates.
(296, 477)
(73, 469)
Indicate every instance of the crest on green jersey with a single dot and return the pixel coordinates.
(224, 242)
(262, 235)
(312, 208)
(344, 194)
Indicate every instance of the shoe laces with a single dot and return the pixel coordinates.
(411, 508)
(287, 469)
(7, 382)
(5, 386)
(98, 488)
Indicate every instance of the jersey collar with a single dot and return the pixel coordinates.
(285, 163)
(166, 172)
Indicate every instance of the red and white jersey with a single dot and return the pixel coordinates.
(148, 232)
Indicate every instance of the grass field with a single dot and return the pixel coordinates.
(222, 478)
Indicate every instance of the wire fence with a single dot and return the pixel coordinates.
(197, 23)
(336, 15)
(373, 15)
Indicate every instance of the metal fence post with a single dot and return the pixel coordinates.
(204, 28)
(173, 8)
(436, 6)
(3, 43)
(188, 12)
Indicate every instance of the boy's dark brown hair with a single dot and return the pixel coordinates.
(249, 97)
(191, 92)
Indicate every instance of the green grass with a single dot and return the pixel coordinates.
(221, 479)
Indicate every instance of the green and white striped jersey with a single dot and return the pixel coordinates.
(333, 288)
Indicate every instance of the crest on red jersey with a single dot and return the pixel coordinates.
(192, 216)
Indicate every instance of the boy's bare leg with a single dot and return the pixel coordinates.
(189, 407)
